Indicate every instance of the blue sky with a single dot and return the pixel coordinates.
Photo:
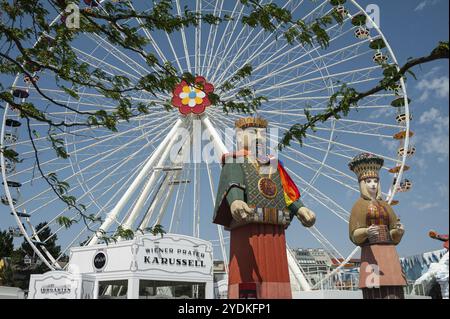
(413, 29)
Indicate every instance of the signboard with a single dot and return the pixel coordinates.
(54, 285)
(147, 254)
(174, 254)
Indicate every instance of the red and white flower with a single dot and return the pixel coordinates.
(192, 98)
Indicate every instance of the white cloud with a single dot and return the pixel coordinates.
(443, 190)
(391, 145)
(424, 206)
(429, 116)
(436, 141)
(421, 163)
(422, 5)
(436, 87)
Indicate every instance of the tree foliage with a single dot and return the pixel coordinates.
(6, 244)
(16, 271)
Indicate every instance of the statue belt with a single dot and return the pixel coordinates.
(269, 216)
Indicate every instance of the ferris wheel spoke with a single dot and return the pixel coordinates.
(111, 171)
(211, 38)
(353, 149)
(85, 228)
(354, 78)
(294, 97)
(78, 132)
(48, 190)
(109, 137)
(214, 53)
(98, 156)
(163, 192)
(358, 130)
(353, 75)
(334, 176)
(89, 99)
(122, 57)
(76, 215)
(282, 52)
(344, 58)
(329, 246)
(183, 38)
(108, 68)
(321, 164)
(242, 44)
(150, 38)
(249, 40)
(260, 50)
(216, 62)
(198, 37)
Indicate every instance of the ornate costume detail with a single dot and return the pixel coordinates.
(366, 166)
(267, 187)
(377, 215)
(263, 191)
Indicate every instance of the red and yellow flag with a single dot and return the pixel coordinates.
(291, 192)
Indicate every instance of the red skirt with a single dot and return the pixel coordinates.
(258, 261)
(380, 266)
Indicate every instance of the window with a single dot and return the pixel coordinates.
(151, 289)
(116, 289)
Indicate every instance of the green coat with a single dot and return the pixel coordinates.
(238, 181)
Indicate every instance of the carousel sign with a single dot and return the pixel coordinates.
(174, 254)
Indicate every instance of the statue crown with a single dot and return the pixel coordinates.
(366, 166)
(247, 122)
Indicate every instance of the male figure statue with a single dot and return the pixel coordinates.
(256, 202)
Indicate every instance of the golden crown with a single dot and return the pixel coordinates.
(247, 122)
(366, 166)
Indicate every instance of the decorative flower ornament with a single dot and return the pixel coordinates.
(192, 99)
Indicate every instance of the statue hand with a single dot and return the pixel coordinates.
(397, 233)
(373, 233)
(306, 217)
(240, 210)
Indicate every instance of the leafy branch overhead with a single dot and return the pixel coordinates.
(30, 42)
(346, 98)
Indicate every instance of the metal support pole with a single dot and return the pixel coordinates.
(133, 187)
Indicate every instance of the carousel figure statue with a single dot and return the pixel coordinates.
(375, 227)
(256, 202)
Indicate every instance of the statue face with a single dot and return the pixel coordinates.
(372, 186)
(253, 140)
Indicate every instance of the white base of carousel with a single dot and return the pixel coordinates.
(172, 266)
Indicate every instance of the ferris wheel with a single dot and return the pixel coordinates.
(126, 178)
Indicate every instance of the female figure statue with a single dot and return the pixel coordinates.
(375, 227)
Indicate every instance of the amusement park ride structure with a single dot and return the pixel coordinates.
(286, 83)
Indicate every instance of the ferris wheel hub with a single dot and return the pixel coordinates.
(192, 97)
